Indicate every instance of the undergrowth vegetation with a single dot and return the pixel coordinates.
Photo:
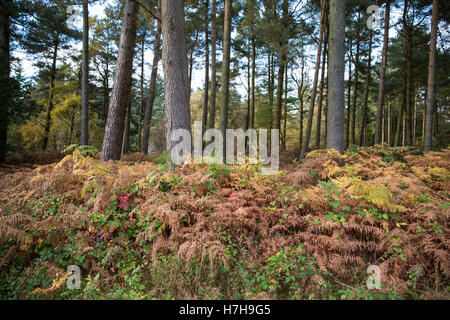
(138, 231)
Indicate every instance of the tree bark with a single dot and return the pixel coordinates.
(314, 88)
(408, 57)
(212, 110)
(431, 89)
(389, 126)
(141, 98)
(205, 93)
(364, 120)
(112, 140)
(249, 90)
(252, 107)
(279, 97)
(85, 78)
(322, 84)
(5, 70)
(355, 93)
(336, 63)
(225, 73)
(174, 58)
(382, 74)
(283, 60)
(126, 131)
(415, 116)
(349, 108)
(285, 107)
(152, 89)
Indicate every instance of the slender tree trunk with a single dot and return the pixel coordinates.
(364, 120)
(249, 91)
(300, 91)
(252, 107)
(122, 84)
(349, 108)
(382, 74)
(336, 63)
(326, 111)
(285, 107)
(206, 93)
(225, 73)
(355, 93)
(415, 117)
(431, 88)
(404, 106)
(404, 128)
(283, 61)
(5, 70)
(85, 80)
(269, 78)
(212, 111)
(322, 84)
(423, 124)
(398, 129)
(279, 96)
(141, 101)
(51, 94)
(152, 89)
(191, 68)
(389, 125)
(408, 57)
(174, 57)
(314, 88)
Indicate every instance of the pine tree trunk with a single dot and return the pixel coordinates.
(322, 84)
(314, 88)
(355, 93)
(85, 80)
(279, 96)
(382, 74)
(349, 91)
(389, 126)
(126, 131)
(431, 88)
(141, 98)
(152, 88)
(403, 107)
(407, 36)
(223, 123)
(415, 117)
(174, 57)
(285, 107)
(269, 79)
(252, 107)
(364, 120)
(398, 128)
(283, 62)
(212, 111)
(51, 94)
(249, 90)
(336, 65)
(5, 70)
(206, 93)
(300, 97)
(112, 140)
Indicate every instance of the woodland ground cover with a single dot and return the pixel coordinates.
(139, 231)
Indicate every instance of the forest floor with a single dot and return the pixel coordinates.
(138, 231)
